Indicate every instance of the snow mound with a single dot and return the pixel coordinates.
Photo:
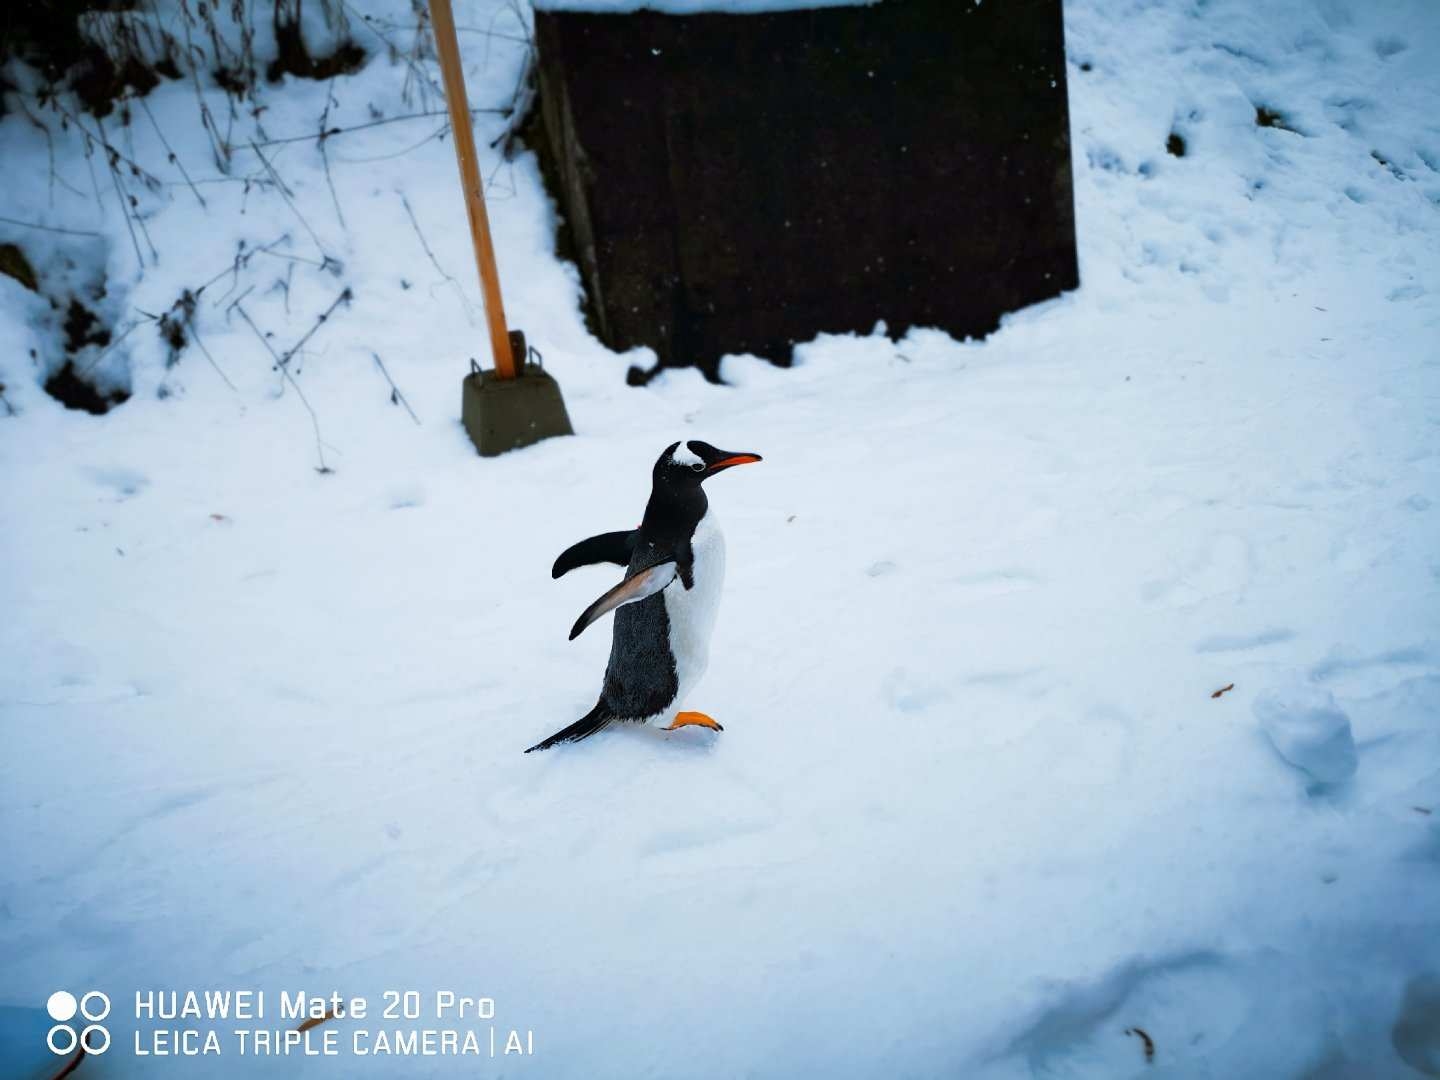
(1309, 730)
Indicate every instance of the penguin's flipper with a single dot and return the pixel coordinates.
(595, 720)
(612, 547)
(637, 586)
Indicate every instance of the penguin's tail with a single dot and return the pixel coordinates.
(593, 721)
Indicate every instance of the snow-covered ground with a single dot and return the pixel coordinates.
(976, 810)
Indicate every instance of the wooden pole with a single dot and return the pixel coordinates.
(448, 49)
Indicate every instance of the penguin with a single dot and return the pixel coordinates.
(665, 608)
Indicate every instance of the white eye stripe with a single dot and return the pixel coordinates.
(683, 455)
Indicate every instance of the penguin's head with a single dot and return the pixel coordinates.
(687, 464)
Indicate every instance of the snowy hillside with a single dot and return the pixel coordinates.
(977, 810)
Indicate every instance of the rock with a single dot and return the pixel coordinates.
(13, 263)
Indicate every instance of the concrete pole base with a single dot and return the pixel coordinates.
(506, 414)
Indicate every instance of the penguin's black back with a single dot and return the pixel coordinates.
(640, 680)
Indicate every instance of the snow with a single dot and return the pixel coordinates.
(975, 810)
(1309, 730)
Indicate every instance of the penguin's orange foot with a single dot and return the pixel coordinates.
(692, 719)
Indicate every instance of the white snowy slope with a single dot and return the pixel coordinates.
(975, 811)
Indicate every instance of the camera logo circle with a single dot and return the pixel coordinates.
(61, 1006)
(58, 1032)
(93, 1038)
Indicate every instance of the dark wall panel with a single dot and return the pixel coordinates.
(740, 183)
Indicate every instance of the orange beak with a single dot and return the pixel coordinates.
(733, 459)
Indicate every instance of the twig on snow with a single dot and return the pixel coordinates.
(414, 222)
(327, 263)
(436, 134)
(285, 194)
(519, 109)
(396, 397)
(282, 286)
(344, 298)
(127, 201)
(414, 71)
(219, 144)
(174, 158)
(49, 228)
(283, 368)
(330, 133)
(44, 129)
(241, 260)
(195, 337)
(114, 344)
(233, 303)
(324, 159)
(144, 175)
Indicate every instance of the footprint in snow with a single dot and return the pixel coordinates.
(1243, 642)
(908, 693)
(125, 483)
(1387, 47)
(1364, 675)
(405, 496)
(995, 582)
(1222, 566)
(1091, 1021)
(1310, 731)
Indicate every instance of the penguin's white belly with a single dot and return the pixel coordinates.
(692, 611)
